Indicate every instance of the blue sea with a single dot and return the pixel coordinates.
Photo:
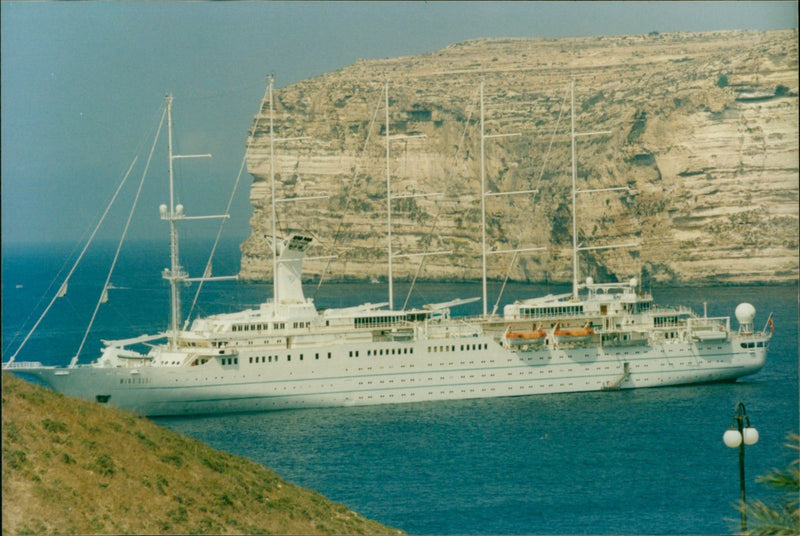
(647, 461)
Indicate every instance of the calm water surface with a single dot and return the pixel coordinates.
(648, 461)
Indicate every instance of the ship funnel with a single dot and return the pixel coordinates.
(745, 313)
(289, 281)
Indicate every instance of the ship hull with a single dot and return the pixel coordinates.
(398, 372)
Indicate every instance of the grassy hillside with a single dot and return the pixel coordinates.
(75, 467)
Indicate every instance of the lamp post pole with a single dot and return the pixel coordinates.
(740, 434)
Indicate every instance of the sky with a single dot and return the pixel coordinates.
(82, 83)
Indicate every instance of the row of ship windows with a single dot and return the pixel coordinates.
(465, 391)
(759, 344)
(412, 380)
(268, 359)
(510, 374)
(666, 321)
(257, 327)
(355, 353)
(264, 327)
(452, 348)
(440, 364)
(381, 351)
(464, 377)
(585, 356)
(274, 359)
(567, 310)
(135, 380)
(430, 393)
(376, 321)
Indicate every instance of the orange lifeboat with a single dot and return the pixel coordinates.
(526, 335)
(584, 332)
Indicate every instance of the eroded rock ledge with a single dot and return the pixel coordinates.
(704, 132)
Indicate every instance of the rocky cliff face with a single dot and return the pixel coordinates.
(703, 132)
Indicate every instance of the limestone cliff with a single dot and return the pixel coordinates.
(703, 130)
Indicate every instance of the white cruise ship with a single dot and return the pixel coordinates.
(288, 354)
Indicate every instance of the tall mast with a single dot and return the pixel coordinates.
(483, 211)
(176, 274)
(576, 248)
(174, 213)
(484, 195)
(275, 291)
(574, 193)
(388, 199)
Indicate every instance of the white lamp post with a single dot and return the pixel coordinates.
(739, 435)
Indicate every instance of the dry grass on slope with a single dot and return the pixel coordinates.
(73, 467)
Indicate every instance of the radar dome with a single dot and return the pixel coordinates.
(745, 313)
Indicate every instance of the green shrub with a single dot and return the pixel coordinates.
(54, 426)
(104, 465)
(16, 459)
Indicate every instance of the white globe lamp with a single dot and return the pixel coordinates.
(750, 435)
(732, 438)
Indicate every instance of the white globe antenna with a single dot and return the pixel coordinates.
(745, 313)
